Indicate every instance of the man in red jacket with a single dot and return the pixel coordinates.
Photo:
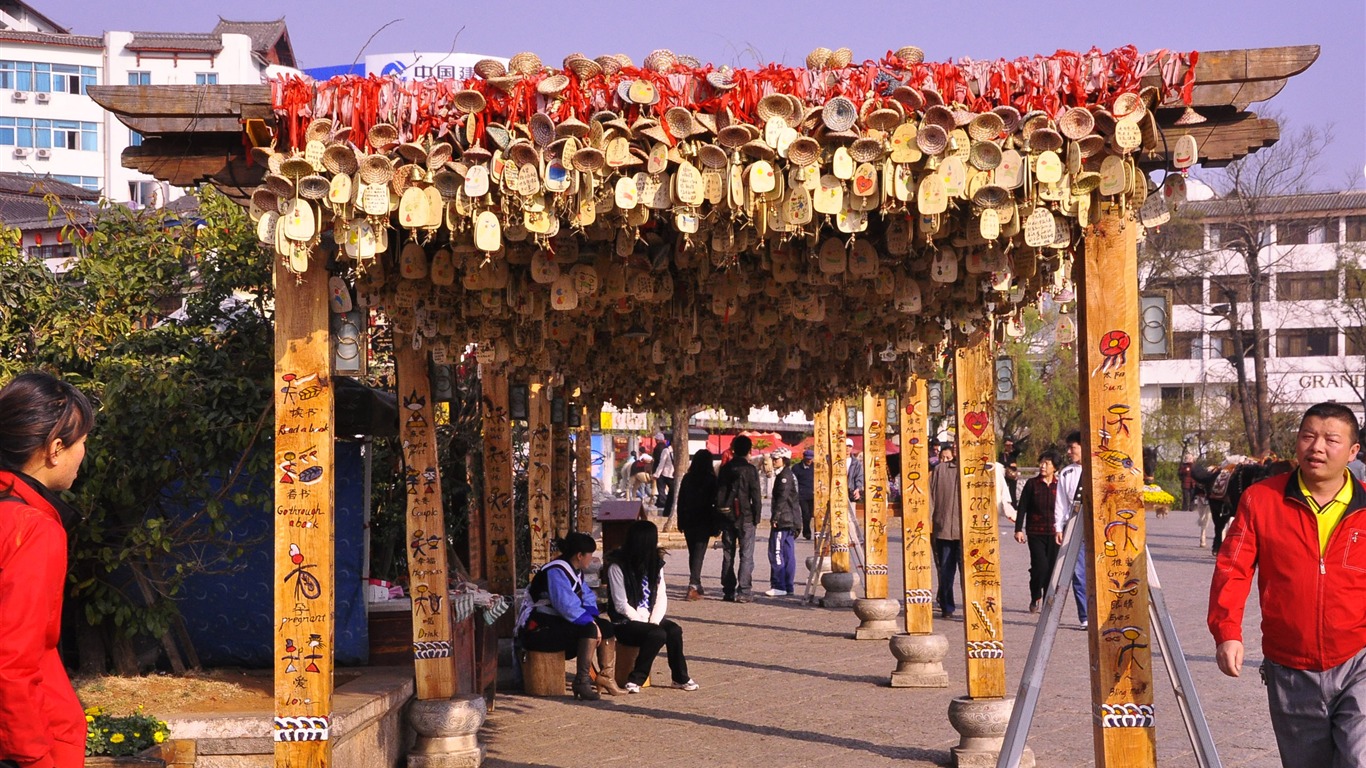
(1312, 588)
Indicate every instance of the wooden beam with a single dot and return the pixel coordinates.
(974, 375)
(499, 525)
(189, 100)
(426, 525)
(915, 508)
(583, 465)
(839, 491)
(1219, 142)
(821, 469)
(875, 495)
(1239, 95)
(540, 472)
(1112, 496)
(561, 470)
(305, 496)
(157, 125)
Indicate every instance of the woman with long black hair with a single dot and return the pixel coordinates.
(697, 515)
(635, 577)
(43, 425)
(562, 615)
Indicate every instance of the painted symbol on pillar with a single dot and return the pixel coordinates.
(294, 467)
(919, 597)
(315, 645)
(1127, 715)
(429, 480)
(917, 534)
(434, 649)
(1114, 346)
(1116, 459)
(1126, 524)
(301, 388)
(1122, 418)
(292, 655)
(976, 422)
(986, 649)
(426, 602)
(305, 584)
(1130, 635)
(1129, 587)
(302, 728)
(414, 404)
(913, 483)
(423, 543)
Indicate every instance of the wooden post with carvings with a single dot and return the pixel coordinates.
(540, 473)
(499, 526)
(561, 467)
(875, 495)
(821, 469)
(305, 497)
(583, 466)
(916, 560)
(975, 387)
(1112, 439)
(426, 533)
(839, 493)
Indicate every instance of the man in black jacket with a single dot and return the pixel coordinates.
(805, 473)
(739, 504)
(786, 519)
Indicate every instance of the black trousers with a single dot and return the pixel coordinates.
(808, 511)
(698, 543)
(545, 633)
(650, 638)
(1043, 553)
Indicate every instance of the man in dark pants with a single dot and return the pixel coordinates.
(1304, 535)
(805, 472)
(739, 503)
(947, 518)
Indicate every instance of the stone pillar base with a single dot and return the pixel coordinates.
(839, 590)
(982, 725)
(817, 590)
(919, 661)
(447, 732)
(877, 618)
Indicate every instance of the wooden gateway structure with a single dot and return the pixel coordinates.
(619, 230)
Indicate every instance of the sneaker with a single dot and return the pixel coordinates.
(1085, 624)
(741, 598)
(632, 688)
(691, 685)
(776, 593)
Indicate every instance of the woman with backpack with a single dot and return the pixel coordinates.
(560, 614)
(635, 577)
(697, 515)
(43, 426)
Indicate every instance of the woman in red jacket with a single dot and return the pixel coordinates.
(43, 425)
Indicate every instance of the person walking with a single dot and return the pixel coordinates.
(1304, 535)
(664, 479)
(854, 474)
(805, 474)
(697, 516)
(43, 426)
(786, 521)
(1067, 502)
(635, 579)
(1034, 525)
(766, 472)
(946, 518)
(739, 502)
(628, 470)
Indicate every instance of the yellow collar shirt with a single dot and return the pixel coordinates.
(1330, 514)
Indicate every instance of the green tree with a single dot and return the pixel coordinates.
(165, 322)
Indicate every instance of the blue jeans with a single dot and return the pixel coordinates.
(737, 536)
(1079, 581)
(948, 554)
(782, 559)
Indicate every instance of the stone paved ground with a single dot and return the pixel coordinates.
(784, 684)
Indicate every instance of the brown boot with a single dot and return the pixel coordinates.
(583, 672)
(607, 667)
(694, 593)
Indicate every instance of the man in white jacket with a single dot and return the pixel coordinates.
(1065, 504)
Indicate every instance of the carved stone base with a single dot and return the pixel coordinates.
(982, 725)
(818, 591)
(877, 618)
(447, 732)
(839, 590)
(919, 661)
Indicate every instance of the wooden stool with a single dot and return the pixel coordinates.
(543, 674)
(626, 661)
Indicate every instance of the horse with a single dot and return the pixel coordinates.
(1224, 487)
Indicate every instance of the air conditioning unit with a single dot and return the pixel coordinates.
(44, 154)
(21, 151)
(43, 98)
(20, 96)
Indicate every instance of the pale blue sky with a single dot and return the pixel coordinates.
(327, 32)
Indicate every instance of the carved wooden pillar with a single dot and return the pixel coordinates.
(540, 473)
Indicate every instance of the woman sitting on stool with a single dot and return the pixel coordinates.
(635, 575)
(564, 617)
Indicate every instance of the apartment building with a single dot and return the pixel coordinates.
(50, 127)
(1314, 305)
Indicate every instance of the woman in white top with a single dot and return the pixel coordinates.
(635, 575)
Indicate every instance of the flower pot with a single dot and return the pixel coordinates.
(148, 758)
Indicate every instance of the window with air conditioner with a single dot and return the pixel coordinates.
(21, 151)
(19, 96)
(43, 98)
(44, 154)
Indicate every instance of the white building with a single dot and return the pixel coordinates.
(1315, 351)
(49, 126)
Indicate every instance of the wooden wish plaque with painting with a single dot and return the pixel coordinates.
(875, 495)
(916, 559)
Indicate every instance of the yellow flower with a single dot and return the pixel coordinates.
(159, 736)
(90, 718)
(137, 735)
(116, 739)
